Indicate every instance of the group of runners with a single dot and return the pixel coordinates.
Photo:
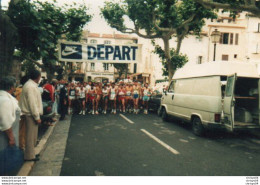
(101, 97)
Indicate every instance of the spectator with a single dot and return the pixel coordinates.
(9, 119)
(50, 88)
(22, 126)
(31, 106)
(63, 101)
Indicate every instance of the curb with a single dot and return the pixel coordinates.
(27, 166)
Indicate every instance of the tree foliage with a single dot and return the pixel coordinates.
(178, 59)
(121, 68)
(40, 25)
(161, 19)
(252, 6)
(8, 40)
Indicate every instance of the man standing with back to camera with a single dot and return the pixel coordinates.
(31, 106)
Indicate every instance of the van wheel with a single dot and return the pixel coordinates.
(197, 127)
(159, 112)
(165, 116)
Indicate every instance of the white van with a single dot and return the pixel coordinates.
(215, 94)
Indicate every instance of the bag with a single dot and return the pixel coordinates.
(11, 159)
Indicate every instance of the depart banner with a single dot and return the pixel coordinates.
(78, 52)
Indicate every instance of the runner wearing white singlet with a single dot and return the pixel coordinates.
(112, 97)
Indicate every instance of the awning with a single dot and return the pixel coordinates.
(137, 74)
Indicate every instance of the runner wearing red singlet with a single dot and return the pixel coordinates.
(92, 97)
(88, 102)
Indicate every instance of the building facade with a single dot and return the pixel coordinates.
(239, 41)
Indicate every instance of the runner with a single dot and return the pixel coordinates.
(82, 99)
(136, 91)
(129, 99)
(121, 97)
(92, 97)
(112, 97)
(98, 95)
(88, 102)
(105, 92)
(146, 92)
(72, 97)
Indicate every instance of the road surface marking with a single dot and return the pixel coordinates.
(161, 142)
(98, 173)
(128, 120)
(184, 141)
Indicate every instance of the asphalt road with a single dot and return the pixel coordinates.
(144, 145)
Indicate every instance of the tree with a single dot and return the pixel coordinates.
(178, 59)
(157, 19)
(8, 40)
(252, 6)
(40, 26)
(121, 68)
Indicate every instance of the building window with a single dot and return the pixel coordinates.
(93, 41)
(235, 55)
(231, 38)
(107, 42)
(199, 59)
(92, 66)
(225, 57)
(237, 37)
(106, 67)
(225, 38)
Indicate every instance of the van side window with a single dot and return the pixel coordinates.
(171, 87)
(229, 87)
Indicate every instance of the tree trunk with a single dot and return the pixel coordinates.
(126, 70)
(49, 69)
(170, 65)
(179, 42)
(8, 40)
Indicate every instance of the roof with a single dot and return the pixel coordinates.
(112, 36)
(219, 68)
(94, 35)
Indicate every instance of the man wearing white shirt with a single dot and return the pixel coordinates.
(31, 106)
(9, 123)
(9, 110)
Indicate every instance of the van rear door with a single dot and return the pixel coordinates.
(229, 102)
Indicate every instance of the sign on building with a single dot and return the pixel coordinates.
(78, 52)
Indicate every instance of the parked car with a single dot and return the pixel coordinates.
(155, 101)
(197, 95)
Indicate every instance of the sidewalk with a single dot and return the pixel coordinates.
(51, 148)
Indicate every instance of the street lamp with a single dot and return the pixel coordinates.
(215, 36)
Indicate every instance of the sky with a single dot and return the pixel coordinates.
(97, 24)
